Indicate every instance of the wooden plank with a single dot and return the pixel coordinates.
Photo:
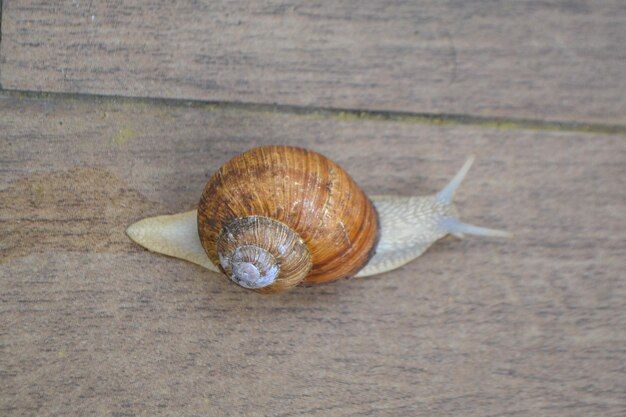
(90, 324)
(521, 59)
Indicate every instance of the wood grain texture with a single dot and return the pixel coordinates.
(92, 325)
(562, 60)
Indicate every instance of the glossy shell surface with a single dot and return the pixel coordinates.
(302, 189)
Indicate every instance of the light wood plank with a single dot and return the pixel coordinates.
(92, 325)
(523, 59)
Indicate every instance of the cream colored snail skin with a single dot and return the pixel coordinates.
(276, 217)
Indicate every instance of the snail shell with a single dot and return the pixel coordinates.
(276, 216)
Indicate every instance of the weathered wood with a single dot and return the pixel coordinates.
(545, 60)
(91, 324)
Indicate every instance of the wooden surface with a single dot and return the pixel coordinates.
(555, 60)
(92, 325)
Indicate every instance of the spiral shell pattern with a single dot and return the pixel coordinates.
(296, 190)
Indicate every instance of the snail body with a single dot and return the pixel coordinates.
(276, 217)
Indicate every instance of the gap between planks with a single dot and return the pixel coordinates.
(440, 119)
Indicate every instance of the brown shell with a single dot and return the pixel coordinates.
(268, 245)
(306, 191)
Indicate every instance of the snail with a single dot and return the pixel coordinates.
(275, 217)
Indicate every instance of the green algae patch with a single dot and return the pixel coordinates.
(123, 136)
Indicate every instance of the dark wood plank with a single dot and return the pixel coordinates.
(523, 59)
(92, 325)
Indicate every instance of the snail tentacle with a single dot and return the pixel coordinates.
(457, 228)
(447, 194)
(452, 225)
